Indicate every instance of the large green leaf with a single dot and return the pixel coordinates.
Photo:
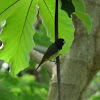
(81, 13)
(66, 30)
(17, 34)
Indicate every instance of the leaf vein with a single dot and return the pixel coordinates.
(9, 7)
(48, 9)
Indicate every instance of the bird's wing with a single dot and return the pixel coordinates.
(48, 54)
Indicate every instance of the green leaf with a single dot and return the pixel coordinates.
(68, 6)
(66, 30)
(40, 38)
(85, 19)
(81, 13)
(7, 8)
(18, 32)
(79, 5)
(22, 88)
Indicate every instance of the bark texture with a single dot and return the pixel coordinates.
(83, 61)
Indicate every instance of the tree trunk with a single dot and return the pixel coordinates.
(82, 63)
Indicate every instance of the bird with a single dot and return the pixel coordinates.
(52, 51)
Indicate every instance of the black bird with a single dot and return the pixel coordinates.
(52, 51)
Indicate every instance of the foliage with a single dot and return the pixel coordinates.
(77, 7)
(93, 92)
(96, 96)
(68, 6)
(81, 13)
(40, 37)
(17, 33)
(21, 88)
(26, 87)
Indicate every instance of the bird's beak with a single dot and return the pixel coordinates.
(64, 42)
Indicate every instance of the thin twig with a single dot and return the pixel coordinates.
(58, 78)
(57, 59)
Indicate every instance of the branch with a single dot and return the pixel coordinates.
(41, 49)
(57, 58)
(36, 57)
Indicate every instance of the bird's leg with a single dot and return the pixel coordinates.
(55, 60)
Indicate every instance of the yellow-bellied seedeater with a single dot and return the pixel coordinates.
(52, 51)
